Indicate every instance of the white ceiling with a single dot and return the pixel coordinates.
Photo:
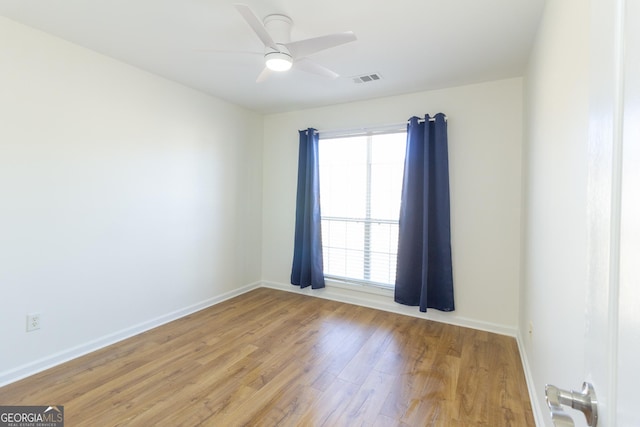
(414, 45)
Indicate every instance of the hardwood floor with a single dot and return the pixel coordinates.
(271, 358)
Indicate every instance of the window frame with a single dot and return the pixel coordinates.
(368, 220)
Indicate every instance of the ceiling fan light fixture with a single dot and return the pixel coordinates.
(278, 61)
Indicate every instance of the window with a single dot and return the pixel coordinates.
(360, 189)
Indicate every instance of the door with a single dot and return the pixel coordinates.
(613, 306)
(627, 392)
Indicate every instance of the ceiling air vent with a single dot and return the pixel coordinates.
(366, 78)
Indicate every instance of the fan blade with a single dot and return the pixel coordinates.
(264, 75)
(309, 66)
(257, 26)
(308, 47)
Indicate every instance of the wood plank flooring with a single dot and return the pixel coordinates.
(270, 358)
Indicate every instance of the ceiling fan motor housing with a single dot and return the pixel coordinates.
(279, 27)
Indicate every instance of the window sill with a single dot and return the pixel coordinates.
(360, 287)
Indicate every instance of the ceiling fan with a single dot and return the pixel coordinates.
(280, 53)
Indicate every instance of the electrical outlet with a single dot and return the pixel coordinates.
(33, 321)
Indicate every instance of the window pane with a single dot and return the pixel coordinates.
(389, 148)
(355, 264)
(384, 248)
(335, 261)
(383, 268)
(355, 236)
(343, 177)
(384, 238)
(387, 166)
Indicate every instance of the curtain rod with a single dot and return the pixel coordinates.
(431, 119)
(395, 127)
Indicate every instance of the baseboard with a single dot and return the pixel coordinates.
(93, 345)
(536, 407)
(376, 299)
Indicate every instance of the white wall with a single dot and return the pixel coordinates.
(485, 140)
(126, 199)
(555, 247)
